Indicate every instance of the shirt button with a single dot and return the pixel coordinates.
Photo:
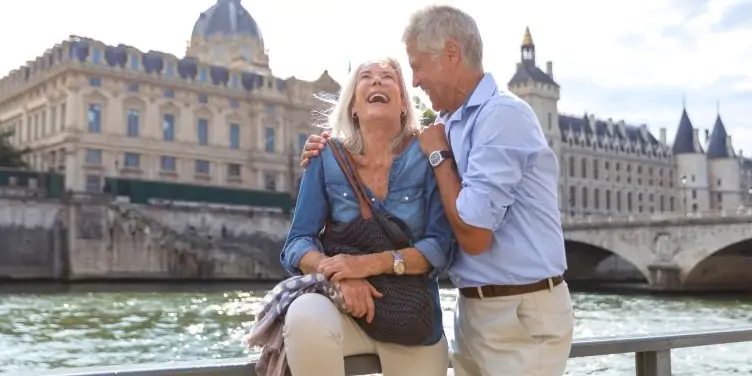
(344, 194)
(406, 198)
(373, 199)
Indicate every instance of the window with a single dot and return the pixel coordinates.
(608, 200)
(234, 136)
(95, 118)
(134, 62)
(234, 80)
(270, 109)
(202, 76)
(95, 81)
(133, 88)
(270, 181)
(269, 140)
(302, 138)
(583, 167)
(584, 197)
(53, 119)
(169, 93)
(167, 163)
(168, 127)
(132, 160)
(96, 55)
(572, 196)
(132, 119)
(629, 202)
(202, 167)
(93, 157)
(234, 103)
(233, 170)
(595, 169)
(571, 167)
(170, 70)
(203, 99)
(62, 115)
(93, 183)
(596, 198)
(203, 132)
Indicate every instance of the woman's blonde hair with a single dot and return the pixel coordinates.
(339, 117)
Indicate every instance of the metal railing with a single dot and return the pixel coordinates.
(652, 357)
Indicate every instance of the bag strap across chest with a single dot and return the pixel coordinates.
(347, 164)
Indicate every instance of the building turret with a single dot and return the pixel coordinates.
(724, 170)
(691, 166)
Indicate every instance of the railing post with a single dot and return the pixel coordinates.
(653, 363)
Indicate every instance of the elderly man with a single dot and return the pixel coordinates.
(497, 178)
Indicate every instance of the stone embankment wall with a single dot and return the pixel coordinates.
(122, 241)
(32, 239)
(91, 238)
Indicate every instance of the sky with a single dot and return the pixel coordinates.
(637, 60)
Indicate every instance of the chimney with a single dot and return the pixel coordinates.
(610, 126)
(707, 136)
(695, 138)
(550, 69)
(728, 145)
(663, 136)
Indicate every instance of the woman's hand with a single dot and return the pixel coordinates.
(340, 267)
(358, 295)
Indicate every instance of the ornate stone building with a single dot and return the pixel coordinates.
(217, 116)
(609, 167)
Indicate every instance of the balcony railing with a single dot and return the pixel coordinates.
(652, 357)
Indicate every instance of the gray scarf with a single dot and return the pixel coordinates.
(267, 330)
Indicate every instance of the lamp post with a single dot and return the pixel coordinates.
(684, 193)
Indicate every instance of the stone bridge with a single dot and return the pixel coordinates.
(699, 251)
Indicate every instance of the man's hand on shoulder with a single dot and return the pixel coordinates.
(433, 138)
(313, 147)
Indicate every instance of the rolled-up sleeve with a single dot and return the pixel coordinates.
(436, 245)
(308, 219)
(504, 140)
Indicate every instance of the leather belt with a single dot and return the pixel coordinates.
(495, 291)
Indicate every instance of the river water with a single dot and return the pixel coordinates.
(42, 330)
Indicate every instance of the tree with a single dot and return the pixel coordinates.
(427, 115)
(11, 156)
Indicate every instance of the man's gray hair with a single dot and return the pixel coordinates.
(430, 27)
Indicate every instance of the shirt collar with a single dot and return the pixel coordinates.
(482, 93)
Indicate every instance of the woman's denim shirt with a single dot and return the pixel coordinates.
(413, 196)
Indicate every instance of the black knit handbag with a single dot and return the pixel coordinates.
(405, 314)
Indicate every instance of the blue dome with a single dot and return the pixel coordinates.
(226, 17)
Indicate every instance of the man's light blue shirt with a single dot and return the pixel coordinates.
(509, 180)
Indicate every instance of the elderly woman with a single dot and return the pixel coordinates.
(374, 165)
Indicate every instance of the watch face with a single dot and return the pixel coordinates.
(435, 158)
(399, 268)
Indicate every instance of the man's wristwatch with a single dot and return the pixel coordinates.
(438, 156)
(399, 264)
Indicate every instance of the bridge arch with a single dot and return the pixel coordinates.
(585, 253)
(719, 259)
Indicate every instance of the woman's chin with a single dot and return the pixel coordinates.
(380, 112)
